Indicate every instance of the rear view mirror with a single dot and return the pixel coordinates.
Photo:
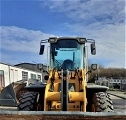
(41, 49)
(93, 49)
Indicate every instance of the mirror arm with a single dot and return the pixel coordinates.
(88, 71)
(46, 71)
(91, 41)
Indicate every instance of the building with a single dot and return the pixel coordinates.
(31, 66)
(10, 74)
(117, 83)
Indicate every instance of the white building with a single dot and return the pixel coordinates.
(9, 74)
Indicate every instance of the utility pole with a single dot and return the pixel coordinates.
(98, 70)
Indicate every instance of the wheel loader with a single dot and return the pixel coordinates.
(67, 94)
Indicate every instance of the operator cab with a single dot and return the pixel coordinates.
(66, 54)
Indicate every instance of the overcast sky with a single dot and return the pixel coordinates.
(25, 22)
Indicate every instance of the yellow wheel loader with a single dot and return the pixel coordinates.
(67, 94)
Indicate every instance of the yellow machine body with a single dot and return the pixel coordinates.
(74, 96)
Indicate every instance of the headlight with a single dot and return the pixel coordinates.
(82, 40)
(52, 40)
(94, 66)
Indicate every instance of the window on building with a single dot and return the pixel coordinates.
(2, 81)
(39, 77)
(33, 76)
(24, 75)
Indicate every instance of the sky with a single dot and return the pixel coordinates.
(23, 23)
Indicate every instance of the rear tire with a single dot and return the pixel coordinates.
(102, 102)
(28, 101)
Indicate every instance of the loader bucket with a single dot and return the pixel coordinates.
(9, 95)
(52, 115)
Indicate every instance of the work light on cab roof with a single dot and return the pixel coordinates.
(54, 40)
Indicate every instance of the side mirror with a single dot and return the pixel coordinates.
(41, 49)
(93, 49)
(40, 66)
(93, 66)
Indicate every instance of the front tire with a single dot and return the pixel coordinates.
(28, 101)
(102, 102)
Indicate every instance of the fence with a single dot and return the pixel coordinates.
(117, 83)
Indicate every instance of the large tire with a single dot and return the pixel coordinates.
(102, 102)
(28, 101)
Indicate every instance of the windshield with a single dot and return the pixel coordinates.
(66, 54)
